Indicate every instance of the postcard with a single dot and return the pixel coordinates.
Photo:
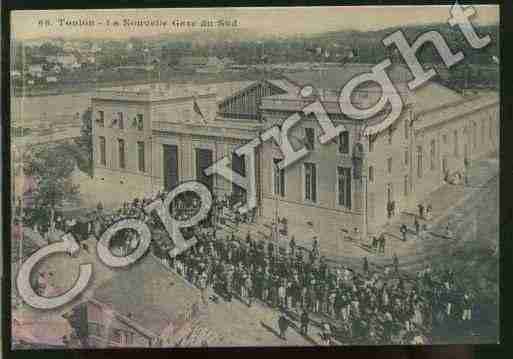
(229, 177)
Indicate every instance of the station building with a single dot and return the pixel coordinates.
(150, 138)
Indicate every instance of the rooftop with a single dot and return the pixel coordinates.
(165, 91)
(148, 293)
(337, 77)
(449, 111)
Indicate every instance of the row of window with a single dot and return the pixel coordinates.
(310, 183)
(343, 140)
(444, 136)
(432, 152)
(119, 121)
(141, 165)
(406, 188)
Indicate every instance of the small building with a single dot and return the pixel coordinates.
(150, 316)
(51, 79)
(67, 61)
(36, 70)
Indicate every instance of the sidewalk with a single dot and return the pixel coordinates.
(444, 201)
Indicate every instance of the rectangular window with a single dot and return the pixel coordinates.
(371, 143)
(444, 138)
(344, 186)
(343, 142)
(101, 119)
(309, 138)
(121, 147)
(140, 122)
(406, 157)
(121, 121)
(239, 166)
(432, 155)
(103, 157)
(204, 159)
(390, 133)
(389, 165)
(455, 134)
(116, 336)
(170, 166)
(419, 161)
(310, 182)
(140, 157)
(406, 129)
(278, 178)
(406, 185)
(371, 174)
(129, 337)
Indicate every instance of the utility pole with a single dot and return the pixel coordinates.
(275, 229)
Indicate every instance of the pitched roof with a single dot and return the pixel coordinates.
(153, 295)
(243, 86)
(337, 77)
(285, 85)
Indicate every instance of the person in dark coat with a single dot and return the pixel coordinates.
(283, 324)
(374, 243)
(403, 231)
(292, 245)
(304, 322)
(389, 209)
(365, 265)
(421, 210)
(396, 264)
(417, 225)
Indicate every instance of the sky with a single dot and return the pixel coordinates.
(262, 21)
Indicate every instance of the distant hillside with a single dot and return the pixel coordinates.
(370, 46)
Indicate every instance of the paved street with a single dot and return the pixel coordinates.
(240, 325)
(471, 211)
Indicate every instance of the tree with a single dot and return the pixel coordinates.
(85, 142)
(48, 49)
(52, 168)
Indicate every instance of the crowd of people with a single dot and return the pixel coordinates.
(362, 306)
